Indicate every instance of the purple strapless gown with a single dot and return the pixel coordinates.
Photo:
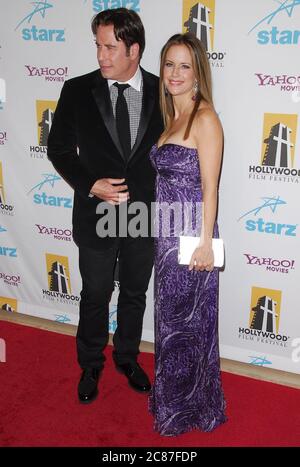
(187, 391)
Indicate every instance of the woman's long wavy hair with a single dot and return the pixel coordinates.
(202, 72)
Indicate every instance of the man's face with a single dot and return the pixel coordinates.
(115, 61)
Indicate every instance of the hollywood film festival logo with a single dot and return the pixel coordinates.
(199, 19)
(8, 304)
(278, 152)
(255, 220)
(59, 282)
(5, 208)
(36, 11)
(276, 26)
(264, 320)
(44, 117)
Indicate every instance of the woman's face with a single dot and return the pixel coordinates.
(178, 73)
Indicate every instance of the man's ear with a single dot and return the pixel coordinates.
(134, 51)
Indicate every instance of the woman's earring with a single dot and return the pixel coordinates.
(196, 90)
(166, 91)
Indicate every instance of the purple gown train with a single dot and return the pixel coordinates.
(187, 391)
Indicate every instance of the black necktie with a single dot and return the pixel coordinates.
(122, 120)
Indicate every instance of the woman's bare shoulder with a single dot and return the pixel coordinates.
(206, 113)
(206, 118)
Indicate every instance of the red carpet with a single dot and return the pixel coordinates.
(38, 403)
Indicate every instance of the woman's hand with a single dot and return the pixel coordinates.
(202, 259)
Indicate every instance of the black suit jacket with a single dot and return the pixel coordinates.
(83, 146)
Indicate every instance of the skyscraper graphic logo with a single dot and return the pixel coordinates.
(8, 304)
(199, 19)
(265, 310)
(5, 209)
(45, 112)
(2, 197)
(58, 273)
(279, 140)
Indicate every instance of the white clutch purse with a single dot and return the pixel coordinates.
(187, 247)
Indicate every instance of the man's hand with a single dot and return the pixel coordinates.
(111, 190)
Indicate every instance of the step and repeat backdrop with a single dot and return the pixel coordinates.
(253, 48)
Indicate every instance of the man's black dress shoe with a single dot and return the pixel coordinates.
(88, 385)
(136, 376)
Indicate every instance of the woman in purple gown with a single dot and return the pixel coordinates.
(187, 392)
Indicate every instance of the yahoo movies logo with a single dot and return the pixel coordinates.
(271, 264)
(10, 279)
(59, 280)
(41, 197)
(261, 225)
(3, 138)
(101, 5)
(267, 33)
(44, 117)
(55, 233)
(5, 208)
(264, 318)
(199, 19)
(34, 33)
(47, 73)
(277, 150)
(285, 83)
(8, 304)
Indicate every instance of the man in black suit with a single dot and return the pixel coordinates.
(99, 142)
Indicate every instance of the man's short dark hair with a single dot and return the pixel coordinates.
(128, 26)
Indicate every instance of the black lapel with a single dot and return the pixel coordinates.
(102, 97)
(147, 108)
